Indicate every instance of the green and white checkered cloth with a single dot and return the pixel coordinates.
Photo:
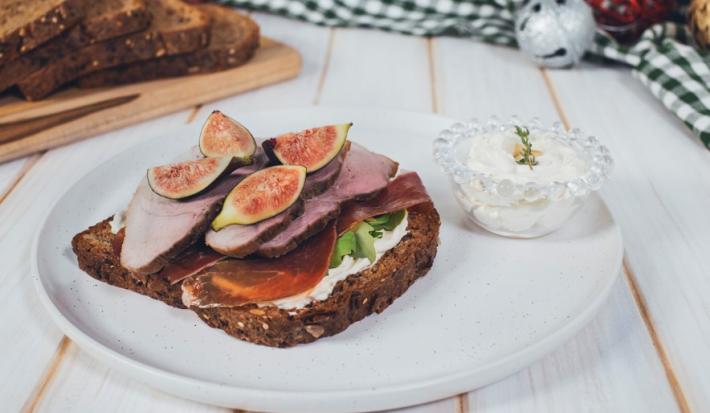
(675, 72)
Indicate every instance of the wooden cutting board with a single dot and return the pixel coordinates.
(73, 114)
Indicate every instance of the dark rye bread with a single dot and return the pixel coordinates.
(103, 20)
(234, 38)
(26, 24)
(175, 28)
(356, 297)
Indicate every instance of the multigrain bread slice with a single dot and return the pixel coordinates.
(234, 38)
(175, 28)
(26, 24)
(369, 291)
(103, 20)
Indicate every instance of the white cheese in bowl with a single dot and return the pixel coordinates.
(518, 214)
(557, 161)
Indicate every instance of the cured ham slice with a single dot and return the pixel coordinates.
(158, 229)
(189, 263)
(232, 283)
(405, 191)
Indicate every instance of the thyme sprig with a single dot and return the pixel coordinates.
(527, 156)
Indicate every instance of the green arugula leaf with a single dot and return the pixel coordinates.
(361, 242)
(386, 222)
(395, 219)
(365, 242)
(378, 221)
(345, 245)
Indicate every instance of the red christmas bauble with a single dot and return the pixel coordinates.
(627, 19)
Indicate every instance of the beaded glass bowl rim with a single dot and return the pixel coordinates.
(598, 157)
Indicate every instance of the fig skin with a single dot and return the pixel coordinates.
(205, 172)
(284, 149)
(254, 199)
(224, 136)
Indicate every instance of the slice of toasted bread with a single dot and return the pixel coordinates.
(26, 24)
(103, 20)
(354, 298)
(175, 28)
(234, 38)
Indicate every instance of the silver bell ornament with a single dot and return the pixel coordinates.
(555, 33)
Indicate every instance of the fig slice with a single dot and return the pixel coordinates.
(312, 148)
(261, 195)
(224, 136)
(184, 179)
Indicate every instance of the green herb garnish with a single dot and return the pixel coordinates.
(360, 242)
(526, 156)
(345, 245)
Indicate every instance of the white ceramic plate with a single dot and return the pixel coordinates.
(489, 306)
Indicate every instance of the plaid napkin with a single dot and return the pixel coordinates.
(662, 59)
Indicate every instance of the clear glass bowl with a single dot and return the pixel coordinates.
(514, 209)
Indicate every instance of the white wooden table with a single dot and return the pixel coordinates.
(647, 350)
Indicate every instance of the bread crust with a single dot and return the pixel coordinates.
(233, 41)
(45, 25)
(354, 298)
(97, 26)
(175, 28)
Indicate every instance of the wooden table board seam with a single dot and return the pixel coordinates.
(15, 181)
(326, 66)
(632, 284)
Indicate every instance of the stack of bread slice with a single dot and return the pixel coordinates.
(48, 44)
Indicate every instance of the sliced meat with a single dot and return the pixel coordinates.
(157, 228)
(242, 240)
(320, 180)
(317, 214)
(232, 283)
(363, 175)
(191, 261)
(405, 191)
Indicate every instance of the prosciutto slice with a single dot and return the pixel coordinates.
(363, 175)
(158, 229)
(231, 282)
(405, 191)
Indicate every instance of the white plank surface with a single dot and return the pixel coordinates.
(479, 80)
(384, 70)
(610, 366)
(659, 194)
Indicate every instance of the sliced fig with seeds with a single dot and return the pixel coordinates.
(312, 148)
(261, 195)
(224, 136)
(185, 179)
